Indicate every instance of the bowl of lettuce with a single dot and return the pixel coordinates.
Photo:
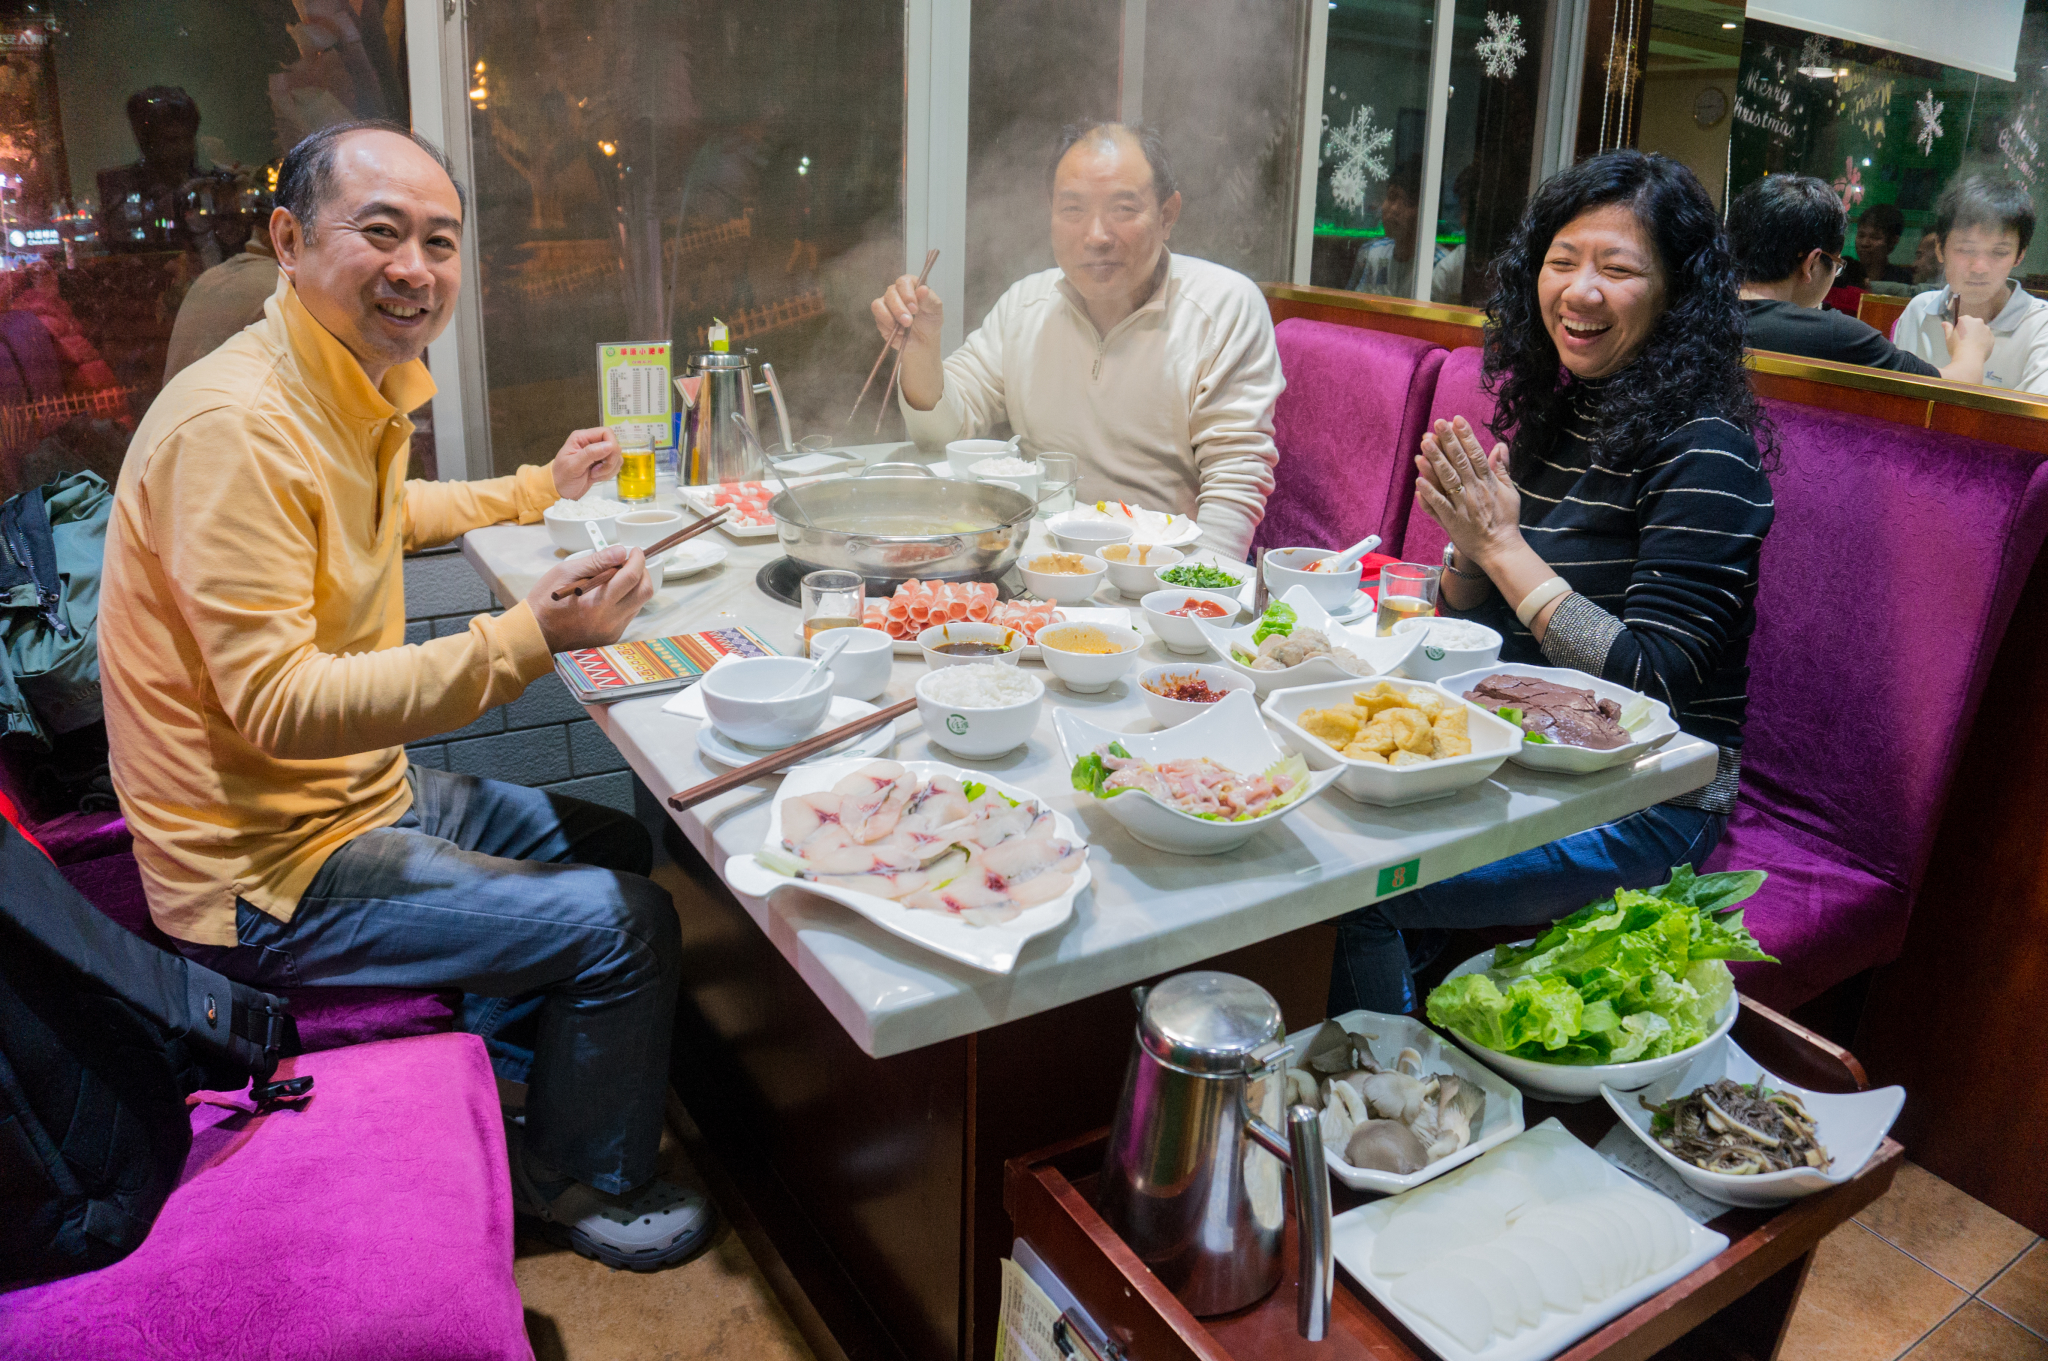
(1619, 993)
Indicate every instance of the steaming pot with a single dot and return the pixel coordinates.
(1192, 1177)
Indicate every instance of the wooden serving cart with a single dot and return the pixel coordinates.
(1735, 1306)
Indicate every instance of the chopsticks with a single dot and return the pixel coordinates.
(569, 592)
(810, 746)
(930, 257)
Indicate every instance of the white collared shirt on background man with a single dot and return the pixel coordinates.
(2019, 338)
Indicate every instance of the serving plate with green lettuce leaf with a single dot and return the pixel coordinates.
(1618, 993)
(1230, 734)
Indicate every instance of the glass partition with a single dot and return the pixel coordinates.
(644, 167)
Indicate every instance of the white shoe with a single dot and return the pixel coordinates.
(656, 1225)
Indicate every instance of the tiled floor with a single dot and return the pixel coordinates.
(1925, 1273)
(714, 1307)
(1928, 1273)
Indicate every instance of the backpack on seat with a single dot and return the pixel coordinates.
(102, 1037)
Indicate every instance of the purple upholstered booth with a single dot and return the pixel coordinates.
(373, 1221)
(92, 852)
(1862, 692)
(1346, 428)
(1457, 394)
(1859, 699)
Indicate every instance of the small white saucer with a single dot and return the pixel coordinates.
(687, 559)
(718, 747)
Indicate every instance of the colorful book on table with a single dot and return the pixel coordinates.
(599, 675)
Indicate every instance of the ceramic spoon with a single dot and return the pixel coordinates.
(1353, 555)
(826, 652)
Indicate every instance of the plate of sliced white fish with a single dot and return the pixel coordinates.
(1521, 1252)
(953, 860)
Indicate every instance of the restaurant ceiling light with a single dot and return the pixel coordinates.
(1730, 25)
(608, 148)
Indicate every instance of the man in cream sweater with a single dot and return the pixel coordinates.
(1158, 371)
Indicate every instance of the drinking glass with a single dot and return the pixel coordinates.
(1058, 474)
(1407, 591)
(636, 468)
(832, 599)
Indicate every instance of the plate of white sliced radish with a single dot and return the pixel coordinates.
(1521, 1252)
(958, 861)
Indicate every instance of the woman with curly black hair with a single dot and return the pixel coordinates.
(1616, 534)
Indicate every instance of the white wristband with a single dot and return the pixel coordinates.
(1533, 603)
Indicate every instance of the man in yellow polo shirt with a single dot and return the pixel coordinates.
(259, 694)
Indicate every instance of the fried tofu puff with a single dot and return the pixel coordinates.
(1451, 734)
(1379, 699)
(1338, 725)
(1407, 758)
(1358, 753)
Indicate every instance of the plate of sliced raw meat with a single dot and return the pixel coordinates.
(953, 860)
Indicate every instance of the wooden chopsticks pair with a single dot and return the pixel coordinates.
(790, 755)
(708, 522)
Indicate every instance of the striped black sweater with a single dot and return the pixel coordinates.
(1661, 554)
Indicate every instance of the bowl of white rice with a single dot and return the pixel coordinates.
(1448, 647)
(565, 521)
(981, 709)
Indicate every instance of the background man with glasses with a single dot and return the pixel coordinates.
(1786, 232)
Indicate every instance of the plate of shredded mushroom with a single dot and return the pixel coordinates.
(1741, 1136)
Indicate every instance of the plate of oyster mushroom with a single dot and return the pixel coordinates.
(1399, 1106)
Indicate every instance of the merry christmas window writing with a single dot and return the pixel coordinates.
(1890, 132)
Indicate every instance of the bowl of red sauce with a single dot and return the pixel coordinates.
(1178, 691)
(1173, 614)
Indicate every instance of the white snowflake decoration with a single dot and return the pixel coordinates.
(1359, 150)
(1502, 48)
(1815, 54)
(1927, 121)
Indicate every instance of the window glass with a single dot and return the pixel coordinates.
(138, 147)
(645, 168)
(1375, 113)
(1890, 132)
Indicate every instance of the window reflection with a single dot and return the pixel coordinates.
(645, 168)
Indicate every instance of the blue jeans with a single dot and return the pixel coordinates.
(502, 892)
(1372, 968)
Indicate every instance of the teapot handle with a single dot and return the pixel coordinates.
(1302, 1152)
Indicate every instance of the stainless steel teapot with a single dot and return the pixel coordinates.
(714, 449)
(1192, 1177)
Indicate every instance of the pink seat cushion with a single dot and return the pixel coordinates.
(1347, 428)
(374, 1221)
(1457, 394)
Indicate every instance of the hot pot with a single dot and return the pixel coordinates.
(897, 521)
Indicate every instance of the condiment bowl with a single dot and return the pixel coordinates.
(1088, 672)
(966, 631)
(1493, 740)
(1658, 729)
(1237, 571)
(1064, 588)
(860, 666)
(1133, 576)
(1848, 1126)
(645, 526)
(1230, 734)
(743, 699)
(1583, 1081)
(1169, 713)
(963, 454)
(1180, 633)
(568, 533)
(1286, 567)
(978, 733)
(1087, 536)
(1433, 661)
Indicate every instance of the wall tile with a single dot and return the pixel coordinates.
(591, 752)
(452, 624)
(536, 756)
(613, 791)
(490, 721)
(418, 631)
(443, 583)
(430, 754)
(545, 701)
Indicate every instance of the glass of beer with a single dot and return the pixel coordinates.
(832, 599)
(636, 468)
(1407, 591)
